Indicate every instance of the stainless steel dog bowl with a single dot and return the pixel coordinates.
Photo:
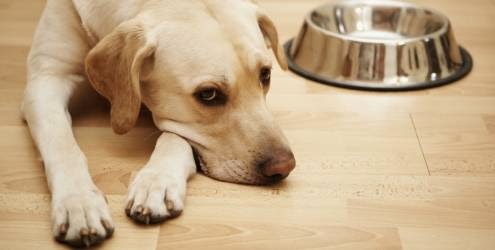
(378, 45)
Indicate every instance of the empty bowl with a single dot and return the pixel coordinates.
(377, 45)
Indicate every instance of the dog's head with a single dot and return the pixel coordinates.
(204, 72)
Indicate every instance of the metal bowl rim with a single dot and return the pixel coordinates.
(442, 30)
(464, 70)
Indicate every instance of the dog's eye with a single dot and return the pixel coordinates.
(210, 97)
(265, 76)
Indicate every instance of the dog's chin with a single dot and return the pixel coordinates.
(253, 182)
(229, 174)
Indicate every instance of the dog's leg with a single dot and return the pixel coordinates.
(158, 191)
(79, 211)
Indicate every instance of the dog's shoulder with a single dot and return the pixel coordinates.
(101, 17)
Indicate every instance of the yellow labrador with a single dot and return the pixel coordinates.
(203, 69)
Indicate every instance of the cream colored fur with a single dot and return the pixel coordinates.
(156, 53)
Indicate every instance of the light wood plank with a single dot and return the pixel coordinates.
(446, 238)
(457, 144)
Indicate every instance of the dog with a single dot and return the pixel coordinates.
(203, 69)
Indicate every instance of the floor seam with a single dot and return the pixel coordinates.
(420, 145)
(155, 245)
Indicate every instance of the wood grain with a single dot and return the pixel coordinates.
(411, 170)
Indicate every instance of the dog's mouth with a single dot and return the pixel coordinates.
(200, 163)
(233, 176)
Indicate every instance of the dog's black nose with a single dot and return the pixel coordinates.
(279, 165)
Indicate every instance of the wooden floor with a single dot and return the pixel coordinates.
(411, 170)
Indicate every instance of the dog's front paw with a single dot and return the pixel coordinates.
(81, 218)
(154, 196)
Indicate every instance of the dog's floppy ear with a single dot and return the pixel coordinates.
(113, 67)
(271, 36)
